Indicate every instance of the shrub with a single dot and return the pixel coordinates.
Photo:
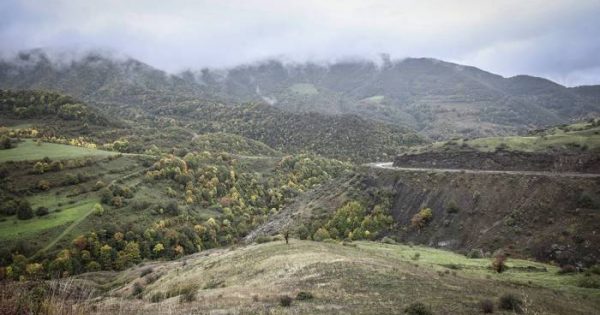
(388, 240)
(172, 208)
(321, 234)
(595, 269)
(416, 256)
(487, 306)
(261, 239)
(117, 201)
(24, 211)
(421, 218)
(510, 302)
(99, 185)
(93, 266)
(188, 294)
(41, 211)
(418, 309)
(157, 297)
(43, 185)
(453, 207)
(585, 201)
(303, 295)
(285, 301)
(98, 209)
(302, 232)
(137, 289)
(499, 263)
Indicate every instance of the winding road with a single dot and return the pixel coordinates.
(390, 166)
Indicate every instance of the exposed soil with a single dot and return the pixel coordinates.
(504, 160)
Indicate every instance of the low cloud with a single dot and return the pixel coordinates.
(554, 39)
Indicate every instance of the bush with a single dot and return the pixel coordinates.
(172, 208)
(321, 234)
(585, 201)
(499, 263)
(453, 207)
(416, 256)
(388, 240)
(24, 211)
(303, 295)
(117, 201)
(487, 306)
(187, 295)
(302, 232)
(421, 218)
(41, 211)
(418, 309)
(157, 297)
(98, 209)
(285, 301)
(595, 269)
(510, 302)
(137, 289)
(43, 185)
(261, 239)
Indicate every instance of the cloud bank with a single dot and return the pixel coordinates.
(555, 39)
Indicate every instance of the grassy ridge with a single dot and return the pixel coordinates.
(361, 278)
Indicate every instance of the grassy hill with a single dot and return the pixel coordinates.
(581, 136)
(349, 278)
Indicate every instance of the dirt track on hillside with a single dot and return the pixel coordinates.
(389, 165)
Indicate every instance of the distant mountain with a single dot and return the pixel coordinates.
(439, 99)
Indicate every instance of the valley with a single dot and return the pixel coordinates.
(404, 186)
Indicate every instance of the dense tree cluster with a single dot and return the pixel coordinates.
(36, 104)
(242, 198)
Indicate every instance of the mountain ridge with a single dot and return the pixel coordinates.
(439, 99)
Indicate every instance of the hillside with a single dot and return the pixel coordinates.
(439, 99)
(343, 137)
(564, 148)
(332, 278)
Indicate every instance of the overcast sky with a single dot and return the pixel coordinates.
(557, 39)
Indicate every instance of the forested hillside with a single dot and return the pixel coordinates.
(439, 99)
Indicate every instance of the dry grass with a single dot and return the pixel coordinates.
(371, 278)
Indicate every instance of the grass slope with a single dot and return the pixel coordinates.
(363, 278)
(29, 150)
(13, 228)
(582, 135)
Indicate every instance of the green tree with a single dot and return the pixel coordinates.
(24, 211)
(321, 234)
(98, 209)
(106, 253)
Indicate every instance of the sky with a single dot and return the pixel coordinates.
(556, 39)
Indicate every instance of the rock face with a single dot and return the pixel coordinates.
(504, 160)
(546, 217)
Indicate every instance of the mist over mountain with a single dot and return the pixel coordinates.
(439, 99)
